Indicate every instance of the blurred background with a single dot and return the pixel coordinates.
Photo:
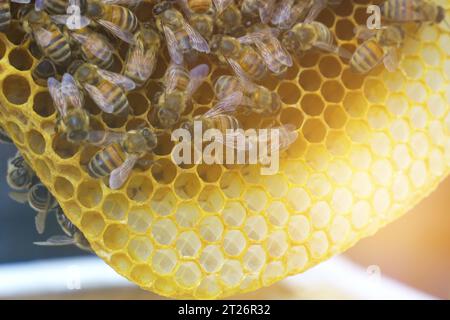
(408, 259)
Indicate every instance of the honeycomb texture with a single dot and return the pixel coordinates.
(369, 148)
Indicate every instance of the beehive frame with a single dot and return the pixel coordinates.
(369, 148)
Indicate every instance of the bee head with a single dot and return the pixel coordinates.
(440, 14)
(151, 140)
(161, 7)
(167, 117)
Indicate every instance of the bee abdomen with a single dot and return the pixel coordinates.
(5, 15)
(105, 161)
(40, 199)
(366, 56)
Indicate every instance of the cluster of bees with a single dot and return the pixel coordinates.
(254, 38)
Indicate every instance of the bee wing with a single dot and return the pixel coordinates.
(222, 4)
(122, 81)
(20, 197)
(42, 36)
(172, 46)
(59, 240)
(124, 35)
(196, 76)
(391, 60)
(100, 100)
(96, 44)
(246, 83)
(364, 33)
(287, 136)
(72, 22)
(225, 106)
(120, 175)
(316, 8)
(266, 10)
(40, 219)
(54, 88)
(71, 92)
(39, 5)
(197, 41)
(130, 3)
(24, 1)
(145, 60)
(282, 12)
(104, 138)
(171, 77)
(344, 53)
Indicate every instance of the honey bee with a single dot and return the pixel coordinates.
(118, 20)
(256, 98)
(20, 176)
(289, 12)
(95, 48)
(43, 70)
(4, 137)
(107, 89)
(419, 11)
(180, 85)
(287, 135)
(269, 47)
(40, 200)
(305, 36)
(258, 8)
(180, 36)
(141, 58)
(121, 153)
(52, 6)
(73, 119)
(73, 235)
(228, 18)
(200, 14)
(243, 59)
(379, 46)
(52, 42)
(5, 12)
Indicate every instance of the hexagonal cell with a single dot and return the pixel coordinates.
(355, 104)
(187, 185)
(15, 33)
(163, 201)
(188, 275)
(330, 67)
(310, 80)
(344, 29)
(352, 80)
(289, 93)
(138, 103)
(15, 132)
(208, 288)
(74, 209)
(211, 258)
(314, 130)
(292, 116)
(139, 188)
(115, 206)
(211, 229)
(164, 261)
(256, 228)
(299, 228)
(296, 259)
(164, 231)
(63, 188)
(232, 273)
(332, 91)
(276, 185)
(233, 214)
(63, 148)
(165, 145)
(211, 199)
(318, 244)
(273, 272)
(143, 275)
(36, 142)
(338, 143)
(115, 236)
(16, 89)
(188, 244)
(164, 171)
(89, 193)
(231, 184)
(234, 242)
(92, 223)
(140, 248)
(43, 169)
(335, 117)
(209, 173)
(114, 121)
(20, 59)
(70, 172)
(375, 91)
(121, 262)
(254, 258)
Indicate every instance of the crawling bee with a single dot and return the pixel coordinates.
(418, 11)
(243, 59)
(181, 37)
(20, 176)
(305, 36)
(40, 200)
(229, 18)
(289, 12)
(200, 14)
(43, 70)
(121, 153)
(4, 137)
(95, 48)
(180, 85)
(73, 235)
(107, 89)
(269, 47)
(141, 58)
(118, 20)
(5, 12)
(73, 120)
(379, 46)
(52, 42)
(254, 9)
(255, 99)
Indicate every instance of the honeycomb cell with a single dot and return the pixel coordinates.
(310, 80)
(211, 199)
(188, 244)
(234, 214)
(188, 275)
(187, 215)
(209, 173)
(15, 132)
(292, 116)
(15, 33)
(375, 91)
(20, 59)
(330, 67)
(63, 148)
(231, 184)
(164, 261)
(231, 273)
(42, 104)
(164, 231)
(138, 103)
(212, 259)
(92, 223)
(314, 130)
(16, 89)
(143, 275)
(89, 194)
(121, 262)
(355, 104)
(64, 188)
(256, 199)
(115, 236)
(352, 80)
(115, 206)
(344, 29)
(318, 244)
(276, 244)
(254, 259)
(289, 93)
(332, 91)
(234, 243)
(114, 121)
(208, 288)
(187, 185)
(163, 201)
(211, 229)
(140, 248)
(36, 142)
(256, 228)
(273, 272)
(164, 171)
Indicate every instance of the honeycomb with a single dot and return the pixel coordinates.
(369, 147)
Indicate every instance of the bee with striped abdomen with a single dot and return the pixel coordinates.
(289, 12)
(200, 14)
(121, 153)
(256, 98)
(142, 56)
(43, 70)
(49, 38)
(5, 12)
(258, 9)
(180, 85)
(229, 18)
(380, 46)
(19, 175)
(418, 11)
(243, 59)
(107, 89)
(73, 235)
(180, 36)
(269, 47)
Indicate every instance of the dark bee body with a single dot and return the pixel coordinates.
(95, 48)
(72, 231)
(412, 11)
(106, 160)
(367, 56)
(20, 176)
(302, 37)
(200, 14)
(56, 6)
(5, 14)
(121, 16)
(40, 199)
(48, 36)
(221, 122)
(44, 70)
(229, 21)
